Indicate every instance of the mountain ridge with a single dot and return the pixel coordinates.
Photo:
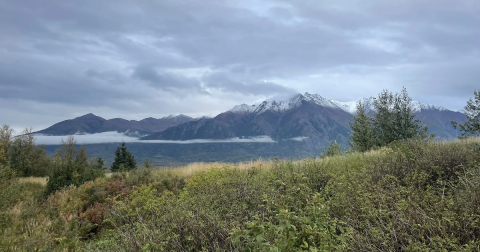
(91, 124)
(310, 116)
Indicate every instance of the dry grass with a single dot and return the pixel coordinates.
(188, 170)
(39, 180)
(16, 210)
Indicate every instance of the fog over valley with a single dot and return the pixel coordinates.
(115, 137)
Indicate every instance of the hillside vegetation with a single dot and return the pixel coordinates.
(409, 196)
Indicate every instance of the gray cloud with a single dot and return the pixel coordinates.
(134, 58)
(224, 82)
(166, 81)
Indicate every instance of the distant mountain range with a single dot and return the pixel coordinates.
(91, 124)
(304, 117)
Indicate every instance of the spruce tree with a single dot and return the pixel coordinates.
(471, 128)
(98, 164)
(394, 119)
(405, 124)
(362, 135)
(124, 160)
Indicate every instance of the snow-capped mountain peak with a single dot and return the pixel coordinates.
(349, 107)
(417, 106)
(280, 106)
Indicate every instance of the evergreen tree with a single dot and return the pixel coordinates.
(362, 135)
(394, 119)
(405, 124)
(471, 128)
(98, 164)
(383, 118)
(124, 160)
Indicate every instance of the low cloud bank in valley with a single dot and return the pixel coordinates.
(115, 137)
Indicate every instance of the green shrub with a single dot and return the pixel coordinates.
(412, 196)
(333, 149)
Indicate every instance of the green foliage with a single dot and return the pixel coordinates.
(7, 178)
(98, 164)
(471, 128)
(363, 134)
(392, 120)
(147, 164)
(333, 149)
(414, 195)
(26, 158)
(71, 167)
(5, 143)
(124, 160)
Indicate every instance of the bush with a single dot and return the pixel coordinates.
(333, 149)
(26, 158)
(410, 196)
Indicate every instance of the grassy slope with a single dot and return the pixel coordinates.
(413, 196)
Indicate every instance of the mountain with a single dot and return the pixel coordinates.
(310, 117)
(305, 115)
(90, 124)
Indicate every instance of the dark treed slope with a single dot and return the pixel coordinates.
(90, 124)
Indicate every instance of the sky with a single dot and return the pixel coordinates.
(60, 59)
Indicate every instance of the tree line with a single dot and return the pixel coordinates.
(21, 157)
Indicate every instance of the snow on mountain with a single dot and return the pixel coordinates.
(349, 107)
(280, 106)
(418, 106)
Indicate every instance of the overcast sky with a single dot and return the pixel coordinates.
(60, 59)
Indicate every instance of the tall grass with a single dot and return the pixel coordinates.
(39, 180)
(190, 169)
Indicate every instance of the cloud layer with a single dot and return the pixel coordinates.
(136, 59)
(115, 137)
